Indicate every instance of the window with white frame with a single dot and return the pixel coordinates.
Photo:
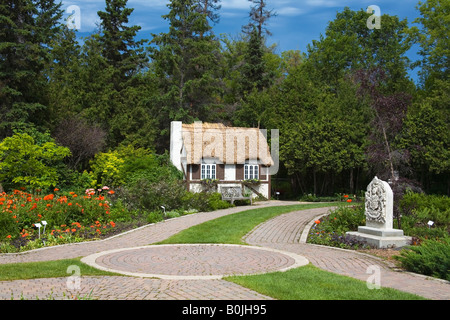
(251, 171)
(208, 171)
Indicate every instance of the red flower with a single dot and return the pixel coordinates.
(349, 200)
(49, 197)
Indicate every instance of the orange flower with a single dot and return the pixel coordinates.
(317, 221)
(8, 236)
(73, 230)
(49, 197)
(346, 196)
(56, 189)
(69, 204)
(112, 224)
(349, 200)
(111, 192)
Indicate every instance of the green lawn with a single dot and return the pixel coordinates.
(231, 228)
(312, 283)
(46, 269)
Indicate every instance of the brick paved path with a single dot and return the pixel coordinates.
(281, 233)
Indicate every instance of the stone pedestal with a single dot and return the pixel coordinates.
(379, 208)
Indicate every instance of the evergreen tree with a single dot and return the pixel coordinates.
(26, 28)
(186, 60)
(254, 73)
(119, 47)
(64, 72)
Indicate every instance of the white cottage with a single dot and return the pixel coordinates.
(230, 157)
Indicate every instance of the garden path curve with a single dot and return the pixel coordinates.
(284, 234)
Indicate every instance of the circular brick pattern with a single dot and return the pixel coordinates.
(200, 261)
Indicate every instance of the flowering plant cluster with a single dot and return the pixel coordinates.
(331, 230)
(65, 213)
(347, 198)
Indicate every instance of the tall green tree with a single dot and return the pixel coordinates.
(26, 28)
(432, 35)
(254, 71)
(186, 60)
(64, 83)
(118, 40)
(349, 45)
(322, 135)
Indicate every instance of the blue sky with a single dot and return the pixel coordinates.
(298, 21)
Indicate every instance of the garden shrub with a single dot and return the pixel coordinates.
(126, 166)
(107, 169)
(145, 195)
(417, 209)
(215, 202)
(154, 216)
(431, 258)
(24, 163)
(204, 201)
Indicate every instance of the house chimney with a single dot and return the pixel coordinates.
(176, 143)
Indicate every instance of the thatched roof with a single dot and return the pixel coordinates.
(230, 145)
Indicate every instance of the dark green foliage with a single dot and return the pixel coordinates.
(119, 48)
(254, 74)
(26, 29)
(185, 61)
(431, 258)
(418, 209)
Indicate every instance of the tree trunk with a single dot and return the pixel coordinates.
(352, 184)
(315, 181)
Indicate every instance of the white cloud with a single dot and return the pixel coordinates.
(290, 11)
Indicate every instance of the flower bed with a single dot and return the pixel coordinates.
(330, 230)
(62, 216)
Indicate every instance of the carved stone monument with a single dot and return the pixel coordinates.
(379, 209)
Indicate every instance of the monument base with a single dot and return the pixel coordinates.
(381, 238)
